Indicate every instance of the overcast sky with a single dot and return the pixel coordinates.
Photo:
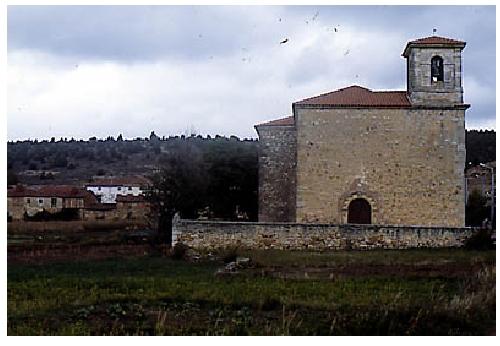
(81, 71)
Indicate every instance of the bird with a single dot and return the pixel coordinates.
(284, 41)
(315, 16)
(347, 52)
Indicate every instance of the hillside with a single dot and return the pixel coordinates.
(480, 146)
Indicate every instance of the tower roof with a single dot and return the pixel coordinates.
(355, 96)
(432, 41)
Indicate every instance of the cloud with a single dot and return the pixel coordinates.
(138, 33)
(85, 71)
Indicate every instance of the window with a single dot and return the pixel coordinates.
(53, 202)
(99, 188)
(130, 188)
(119, 188)
(437, 69)
(40, 201)
(28, 201)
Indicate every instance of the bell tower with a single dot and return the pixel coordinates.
(434, 71)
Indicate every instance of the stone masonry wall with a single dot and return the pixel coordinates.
(277, 151)
(425, 92)
(407, 163)
(206, 235)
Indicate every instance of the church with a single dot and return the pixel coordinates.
(361, 156)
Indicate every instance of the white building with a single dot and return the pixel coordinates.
(106, 189)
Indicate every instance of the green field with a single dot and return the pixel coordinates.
(413, 292)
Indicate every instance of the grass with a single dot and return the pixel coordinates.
(160, 296)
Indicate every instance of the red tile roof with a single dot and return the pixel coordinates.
(120, 181)
(436, 40)
(432, 41)
(288, 121)
(356, 96)
(65, 191)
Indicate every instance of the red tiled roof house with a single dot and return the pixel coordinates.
(30, 200)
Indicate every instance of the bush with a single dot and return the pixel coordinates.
(229, 254)
(63, 215)
(476, 209)
(179, 251)
(11, 178)
(481, 240)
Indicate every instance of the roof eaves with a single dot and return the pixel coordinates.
(326, 105)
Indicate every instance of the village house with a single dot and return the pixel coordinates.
(27, 201)
(65, 202)
(132, 208)
(481, 178)
(360, 156)
(107, 189)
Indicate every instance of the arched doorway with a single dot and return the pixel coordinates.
(359, 211)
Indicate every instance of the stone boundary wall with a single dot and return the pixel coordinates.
(209, 235)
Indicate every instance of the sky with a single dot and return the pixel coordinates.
(82, 71)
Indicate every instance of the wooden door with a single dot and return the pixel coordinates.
(360, 212)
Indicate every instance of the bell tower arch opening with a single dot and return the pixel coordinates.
(437, 70)
(360, 212)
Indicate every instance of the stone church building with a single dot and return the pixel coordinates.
(383, 157)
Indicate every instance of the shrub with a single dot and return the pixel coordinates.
(481, 240)
(229, 254)
(179, 251)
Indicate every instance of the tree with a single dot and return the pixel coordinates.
(60, 160)
(175, 189)
(11, 178)
(480, 146)
(476, 210)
